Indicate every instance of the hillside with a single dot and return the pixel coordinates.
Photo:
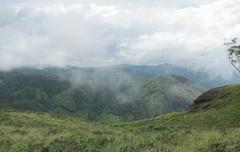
(219, 111)
(168, 93)
(215, 126)
(214, 129)
(106, 96)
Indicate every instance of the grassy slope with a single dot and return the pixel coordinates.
(215, 129)
(26, 131)
(221, 112)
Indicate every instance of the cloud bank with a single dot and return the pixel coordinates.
(107, 32)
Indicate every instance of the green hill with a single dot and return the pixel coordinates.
(211, 124)
(217, 108)
(107, 96)
(168, 93)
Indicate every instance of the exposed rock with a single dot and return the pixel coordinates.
(204, 100)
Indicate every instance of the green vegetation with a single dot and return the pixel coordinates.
(105, 96)
(215, 129)
(168, 94)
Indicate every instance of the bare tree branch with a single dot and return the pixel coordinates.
(234, 53)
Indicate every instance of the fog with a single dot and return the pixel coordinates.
(106, 32)
(122, 85)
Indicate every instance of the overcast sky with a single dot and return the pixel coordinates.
(105, 32)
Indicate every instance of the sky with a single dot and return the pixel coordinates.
(185, 33)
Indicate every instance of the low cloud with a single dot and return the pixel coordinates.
(107, 32)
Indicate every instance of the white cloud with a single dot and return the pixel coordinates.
(56, 33)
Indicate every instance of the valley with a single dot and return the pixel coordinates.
(102, 94)
(108, 110)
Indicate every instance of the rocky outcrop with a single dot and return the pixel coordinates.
(204, 100)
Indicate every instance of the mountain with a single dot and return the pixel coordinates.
(211, 124)
(168, 93)
(138, 72)
(217, 108)
(168, 69)
(107, 94)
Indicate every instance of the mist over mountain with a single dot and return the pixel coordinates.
(128, 72)
(119, 76)
(107, 32)
(114, 93)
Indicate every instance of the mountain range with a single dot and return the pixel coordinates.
(137, 72)
(105, 94)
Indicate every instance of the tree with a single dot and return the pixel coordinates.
(234, 53)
